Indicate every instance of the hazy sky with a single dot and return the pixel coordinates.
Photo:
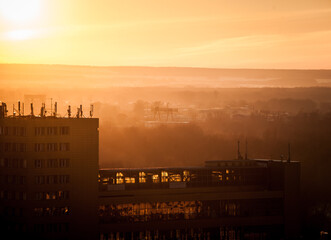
(196, 33)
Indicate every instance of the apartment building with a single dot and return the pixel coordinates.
(48, 177)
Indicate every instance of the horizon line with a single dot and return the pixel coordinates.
(146, 66)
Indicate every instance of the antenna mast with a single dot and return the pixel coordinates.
(239, 154)
(91, 110)
(246, 150)
(289, 153)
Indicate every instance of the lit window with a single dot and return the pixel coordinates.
(175, 177)
(130, 180)
(164, 176)
(142, 177)
(186, 176)
(155, 178)
(119, 178)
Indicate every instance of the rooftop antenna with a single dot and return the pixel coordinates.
(91, 110)
(43, 110)
(3, 110)
(31, 106)
(55, 109)
(239, 154)
(14, 111)
(289, 153)
(79, 112)
(246, 150)
(51, 106)
(23, 108)
(19, 108)
(69, 111)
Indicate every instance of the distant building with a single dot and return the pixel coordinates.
(52, 188)
(236, 199)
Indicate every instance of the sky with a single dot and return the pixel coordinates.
(273, 34)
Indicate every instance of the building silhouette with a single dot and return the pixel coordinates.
(51, 187)
(48, 177)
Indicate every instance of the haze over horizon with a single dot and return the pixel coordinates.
(214, 34)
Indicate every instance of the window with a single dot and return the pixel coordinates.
(175, 177)
(39, 147)
(52, 163)
(7, 147)
(15, 147)
(64, 130)
(63, 179)
(15, 132)
(39, 179)
(39, 195)
(119, 178)
(39, 163)
(18, 147)
(51, 130)
(22, 131)
(6, 131)
(63, 162)
(51, 179)
(22, 147)
(64, 147)
(142, 177)
(155, 178)
(51, 211)
(39, 131)
(164, 176)
(51, 147)
(19, 131)
(2, 162)
(186, 176)
(130, 180)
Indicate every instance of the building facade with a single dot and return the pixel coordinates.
(232, 200)
(48, 177)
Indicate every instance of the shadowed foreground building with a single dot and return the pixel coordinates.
(48, 177)
(51, 187)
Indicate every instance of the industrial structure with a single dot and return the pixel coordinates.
(51, 187)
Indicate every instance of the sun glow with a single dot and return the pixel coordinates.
(20, 34)
(20, 11)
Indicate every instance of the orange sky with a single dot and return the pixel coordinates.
(196, 33)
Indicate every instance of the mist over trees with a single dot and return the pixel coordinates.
(214, 109)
